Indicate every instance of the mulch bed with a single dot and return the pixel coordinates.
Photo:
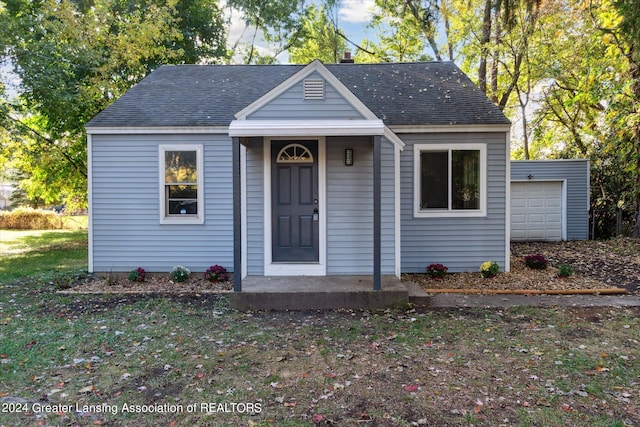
(597, 265)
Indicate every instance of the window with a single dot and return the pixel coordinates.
(181, 191)
(450, 180)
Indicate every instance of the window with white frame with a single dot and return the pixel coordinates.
(181, 192)
(450, 180)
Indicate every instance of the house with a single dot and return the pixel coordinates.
(275, 170)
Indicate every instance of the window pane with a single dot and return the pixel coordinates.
(182, 199)
(182, 191)
(434, 180)
(180, 166)
(183, 207)
(465, 172)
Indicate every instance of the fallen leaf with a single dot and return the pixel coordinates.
(412, 387)
(87, 389)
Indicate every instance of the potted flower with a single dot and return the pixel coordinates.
(180, 273)
(489, 269)
(216, 273)
(137, 275)
(536, 262)
(437, 271)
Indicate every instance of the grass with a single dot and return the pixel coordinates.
(522, 366)
(25, 254)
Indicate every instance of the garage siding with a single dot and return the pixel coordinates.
(575, 173)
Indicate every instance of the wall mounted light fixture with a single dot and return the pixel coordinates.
(348, 157)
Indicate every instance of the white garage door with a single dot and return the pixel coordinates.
(536, 211)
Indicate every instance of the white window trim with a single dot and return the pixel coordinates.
(191, 219)
(449, 213)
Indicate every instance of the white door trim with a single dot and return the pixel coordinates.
(296, 269)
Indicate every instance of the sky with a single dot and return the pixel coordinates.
(353, 17)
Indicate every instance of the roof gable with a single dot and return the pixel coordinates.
(294, 85)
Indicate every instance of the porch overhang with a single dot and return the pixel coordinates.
(302, 128)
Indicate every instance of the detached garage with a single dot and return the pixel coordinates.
(549, 200)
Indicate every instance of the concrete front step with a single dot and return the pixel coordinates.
(318, 293)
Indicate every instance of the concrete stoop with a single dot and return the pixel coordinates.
(318, 293)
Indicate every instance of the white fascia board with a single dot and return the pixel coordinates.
(129, 130)
(276, 128)
(448, 128)
(395, 139)
(315, 66)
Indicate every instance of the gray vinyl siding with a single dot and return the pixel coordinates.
(126, 207)
(292, 106)
(460, 243)
(350, 207)
(576, 174)
(255, 207)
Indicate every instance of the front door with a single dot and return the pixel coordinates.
(294, 203)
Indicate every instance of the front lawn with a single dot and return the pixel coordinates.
(40, 252)
(190, 360)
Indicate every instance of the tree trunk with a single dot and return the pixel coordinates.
(635, 88)
(484, 46)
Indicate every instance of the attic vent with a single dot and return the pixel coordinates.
(314, 89)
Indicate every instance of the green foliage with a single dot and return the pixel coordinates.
(321, 38)
(73, 59)
(565, 270)
(279, 23)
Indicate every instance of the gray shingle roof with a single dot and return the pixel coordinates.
(423, 93)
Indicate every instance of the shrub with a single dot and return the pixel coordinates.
(565, 270)
(536, 262)
(30, 219)
(216, 273)
(437, 271)
(137, 275)
(180, 274)
(489, 269)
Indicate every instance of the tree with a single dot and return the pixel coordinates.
(415, 20)
(399, 40)
(277, 22)
(322, 38)
(619, 21)
(74, 57)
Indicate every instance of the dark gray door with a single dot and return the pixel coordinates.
(294, 201)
